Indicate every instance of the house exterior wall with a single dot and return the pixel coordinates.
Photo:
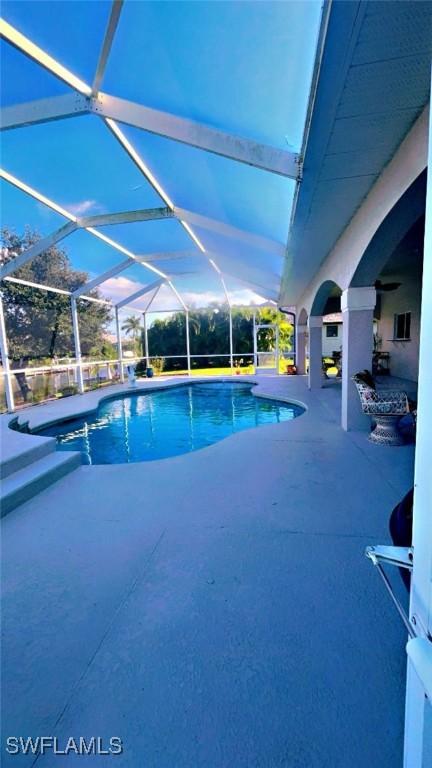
(403, 354)
(333, 344)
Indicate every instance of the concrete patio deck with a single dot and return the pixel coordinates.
(214, 609)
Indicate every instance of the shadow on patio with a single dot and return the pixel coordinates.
(228, 617)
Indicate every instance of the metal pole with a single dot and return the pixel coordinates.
(188, 343)
(77, 344)
(119, 345)
(231, 340)
(277, 349)
(255, 353)
(146, 347)
(294, 339)
(5, 361)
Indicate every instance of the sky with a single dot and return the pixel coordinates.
(241, 67)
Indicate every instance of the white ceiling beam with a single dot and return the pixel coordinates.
(35, 250)
(198, 135)
(167, 255)
(104, 276)
(30, 49)
(227, 230)
(50, 289)
(151, 299)
(113, 21)
(176, 293)
(139, 162)
(43, 110)
(100, 235)
(261, 290)
(258, 285)
(225, 290)
(254, 277)
(260, 278)
(145, 170)
(130, 299)
(36, 195)
(179, 129)
(126, 217)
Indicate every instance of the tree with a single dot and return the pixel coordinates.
(38, 322)
(268, 316)
(132, 327)
(209, 334)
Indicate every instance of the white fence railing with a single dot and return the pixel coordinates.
(36, 384)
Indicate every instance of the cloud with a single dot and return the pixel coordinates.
(118, 288)
(78, 209)
(242, 297)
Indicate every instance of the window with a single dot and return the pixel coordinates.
(402, 326)
(332, 331)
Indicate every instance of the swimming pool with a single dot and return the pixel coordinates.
(169, 422)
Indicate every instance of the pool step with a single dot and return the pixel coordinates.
(22, 485)
(16, 456)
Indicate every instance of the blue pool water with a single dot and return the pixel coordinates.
(156, 425)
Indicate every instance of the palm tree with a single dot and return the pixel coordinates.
(132, 326)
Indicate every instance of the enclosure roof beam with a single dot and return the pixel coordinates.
(141, 292)
(167, 255)
(225, 290)
(176, 293)
(15, 38)
(135, 157)
(43, 110)
(151, 299)
(126, 217)
(198, 135)
(255, 278)
(253, 274)
(113, 21)
(50, 289)
(101, 278)
(139, 162)
(46, 201)
(183, 130)
(227, 230)
(37, 249)
(259, 289)
(11, 179)
(179, 129)
(37, 195)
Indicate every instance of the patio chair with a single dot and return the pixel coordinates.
(385, 406)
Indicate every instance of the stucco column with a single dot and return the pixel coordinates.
(315, 352)
(357, 306)
(300, 346)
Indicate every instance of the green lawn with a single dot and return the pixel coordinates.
(226, 371)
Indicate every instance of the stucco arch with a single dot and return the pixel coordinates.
(408, 209)
(400, 175)
(326, 290)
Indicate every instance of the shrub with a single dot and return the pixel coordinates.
(157, 363)
(68, 390)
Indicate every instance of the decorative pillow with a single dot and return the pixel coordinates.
(366, 378)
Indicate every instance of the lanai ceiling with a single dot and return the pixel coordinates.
(371, 84)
